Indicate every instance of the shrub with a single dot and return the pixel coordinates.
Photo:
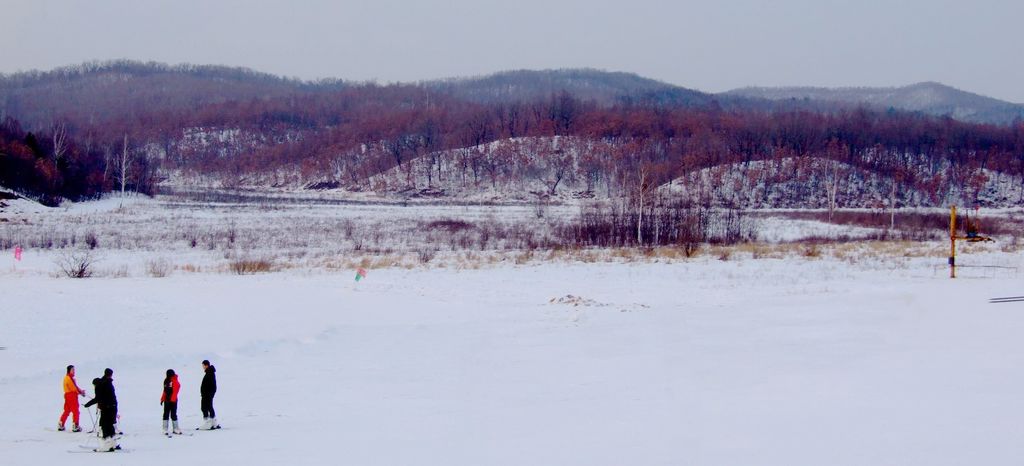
(159, 268)
(449, 225)
(91, 240)
(76, 264)
(425, 255)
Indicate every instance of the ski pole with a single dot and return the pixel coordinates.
(91, 418)
(89, 440)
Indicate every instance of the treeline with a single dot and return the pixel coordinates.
(52, 166)
(48, 166)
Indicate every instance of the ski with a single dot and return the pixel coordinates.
(69, 431)
(88, 449)
(1006, 297)
(94, 450)
(1005, 300)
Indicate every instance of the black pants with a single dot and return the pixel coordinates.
(171, 409)
(108, 417)
(206, 404)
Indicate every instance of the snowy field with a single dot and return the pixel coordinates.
(793, 361)
(131, 237)
(711, 363)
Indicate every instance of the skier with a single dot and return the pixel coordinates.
(106, 401)
(207, 389)
(169, 399)
(71, 394)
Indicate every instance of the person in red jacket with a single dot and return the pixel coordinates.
(169, 398)
(71, 394)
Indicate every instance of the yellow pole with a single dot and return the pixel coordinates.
(952, 241)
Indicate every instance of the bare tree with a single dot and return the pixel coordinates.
(59, 132)
(834, 172)
(892, 205)
(108, 163)
(642, 173)
(124, 162)
(831, 186)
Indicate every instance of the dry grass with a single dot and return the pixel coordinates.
(159, 268)
(759, 250)
(387, 262)
(250, 266)
(811, 251)
(846, 251)
(524, 257)
(369, 262)
(893, 252)
(1011, 244)
(189, 268)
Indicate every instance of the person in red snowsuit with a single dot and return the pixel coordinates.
(169, 399)
(71, 394)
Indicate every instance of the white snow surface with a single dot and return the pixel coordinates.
(775, 229)
(705, 362)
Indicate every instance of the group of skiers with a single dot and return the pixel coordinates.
(105, 400)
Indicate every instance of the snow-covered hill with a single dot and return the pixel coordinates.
(805, 183)
(518, 170)
(572, 169)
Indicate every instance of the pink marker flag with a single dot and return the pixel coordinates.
(360, 274)
(17, 253)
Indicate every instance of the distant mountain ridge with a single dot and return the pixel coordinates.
(931, 98)
(93, 87)
(100, 90)
(605, 87)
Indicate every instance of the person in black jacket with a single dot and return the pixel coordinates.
(106, 401)
(207, 389)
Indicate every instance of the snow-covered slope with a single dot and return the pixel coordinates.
(520, 169)
(804, 182)
(13, 204)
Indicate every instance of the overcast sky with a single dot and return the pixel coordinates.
(708, 45)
